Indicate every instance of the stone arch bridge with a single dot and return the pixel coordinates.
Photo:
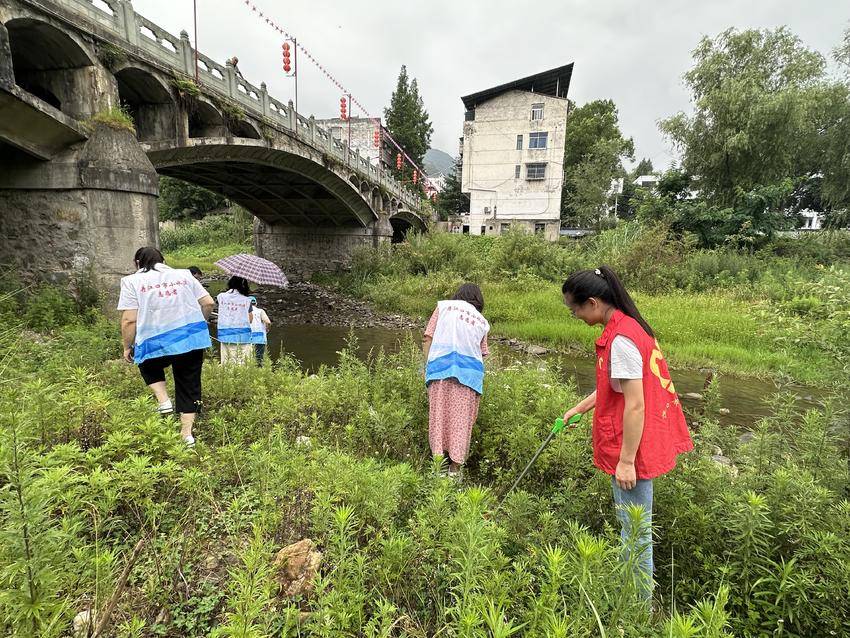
(77, 191)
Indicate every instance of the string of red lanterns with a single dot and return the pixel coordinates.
(343, 115)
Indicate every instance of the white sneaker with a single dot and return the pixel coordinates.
(165, 408)
(189, 441)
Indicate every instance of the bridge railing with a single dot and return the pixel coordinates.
(176, 54)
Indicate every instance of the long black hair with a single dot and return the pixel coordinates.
(471, 294)
(147, 257)
(239, 284)
(604, 284)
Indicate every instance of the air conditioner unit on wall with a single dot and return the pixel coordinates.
(486, 210)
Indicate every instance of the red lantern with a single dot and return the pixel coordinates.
(398, 161)
(415, 176)
(343, 106)
(377, 138)
(287, 67)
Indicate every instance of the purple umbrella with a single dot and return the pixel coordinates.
(253, 268)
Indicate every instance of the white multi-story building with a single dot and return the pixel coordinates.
(513, 154)
(362, 131)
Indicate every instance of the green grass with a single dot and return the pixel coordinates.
(694, 329)
(204, 256)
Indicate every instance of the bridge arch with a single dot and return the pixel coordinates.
(149, 101)
(205, 120)
(278, 186)
(402, 222)
(244, 128)
(50, 64)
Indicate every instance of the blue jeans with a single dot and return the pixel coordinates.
(640, 494)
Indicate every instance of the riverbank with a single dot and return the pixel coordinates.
(338, 457)
(761, 315)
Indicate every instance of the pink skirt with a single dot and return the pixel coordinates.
(452, 410)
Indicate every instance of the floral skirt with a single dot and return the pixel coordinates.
(452, 410)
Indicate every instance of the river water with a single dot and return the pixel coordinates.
(314, 346)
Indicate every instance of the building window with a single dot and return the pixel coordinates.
(465, 229)
(537, 111)
(519, 142)
(484, 230)
(535, 171)
(504, 228)
(539, 228)
(537, 140)
(516, 171)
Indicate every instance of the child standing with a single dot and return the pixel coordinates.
(260, 323)
(455, 345)
(638, 424)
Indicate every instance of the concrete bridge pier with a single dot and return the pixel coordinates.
(303, 251)
(76, 196)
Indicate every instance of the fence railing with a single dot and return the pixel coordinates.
(176, 53)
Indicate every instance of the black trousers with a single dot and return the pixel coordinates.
(186, 368)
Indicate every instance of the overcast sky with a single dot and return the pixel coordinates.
(632, 52)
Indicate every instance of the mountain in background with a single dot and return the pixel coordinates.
(437, 161)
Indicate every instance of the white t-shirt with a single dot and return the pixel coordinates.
(169, 318)
(626, 362)
(258, 325)
(234, 325)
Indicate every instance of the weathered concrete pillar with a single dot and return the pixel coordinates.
(7, 74)
(84, 211)
(293, 117)
(128, 19)
(264, 99)
(230, 78)
(303, 251)
(187, 55)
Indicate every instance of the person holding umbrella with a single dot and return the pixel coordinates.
(234, 322)
(164, 323)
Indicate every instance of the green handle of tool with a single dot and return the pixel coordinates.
(559, 423)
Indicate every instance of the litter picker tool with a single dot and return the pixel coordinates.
(559, 425)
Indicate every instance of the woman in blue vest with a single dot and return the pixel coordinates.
(234, 322)
(164, 323)
(455, 345)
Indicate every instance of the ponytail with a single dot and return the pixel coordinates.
(604, 284)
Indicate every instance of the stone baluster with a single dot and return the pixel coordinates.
(230, 77)
(127, 17)
(264, 99)
(312, 130)
(187, 55)
(293, 117)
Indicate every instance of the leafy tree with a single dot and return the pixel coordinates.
(644, 167)
(408, 121)
(451, 201)
(749, 222)
(182, 200)
(595, 148)
(760, 103)
(836, 152)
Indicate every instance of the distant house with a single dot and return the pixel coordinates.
(362, 137)
(646, 181)
(812, 219)
(512, 154)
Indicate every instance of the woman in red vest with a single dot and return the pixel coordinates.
(638, 424)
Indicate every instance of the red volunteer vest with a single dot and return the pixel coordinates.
(665, 433)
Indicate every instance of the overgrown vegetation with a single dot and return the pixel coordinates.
(778, 311)
(203, 242)
(179, 200)
(118, 118)
(759, 547)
